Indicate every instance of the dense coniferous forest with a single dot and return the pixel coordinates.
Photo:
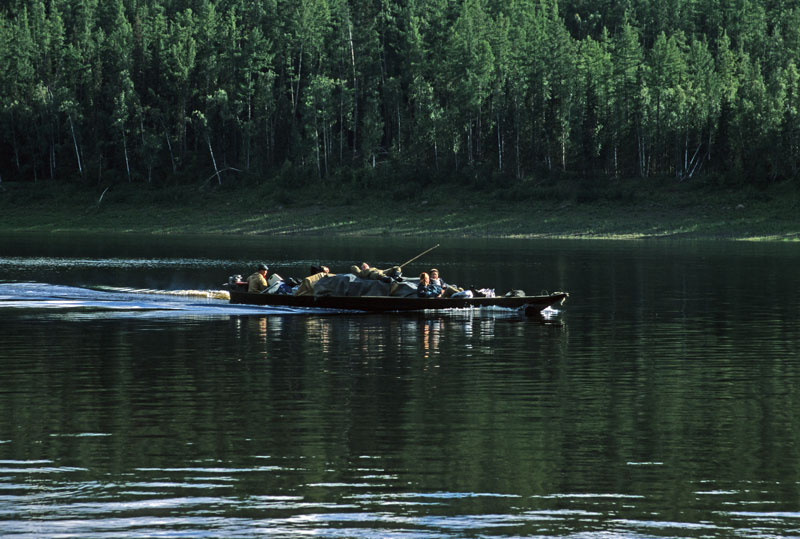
(158, 91)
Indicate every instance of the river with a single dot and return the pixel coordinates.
(661, 400)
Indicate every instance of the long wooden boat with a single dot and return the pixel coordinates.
(531, 304)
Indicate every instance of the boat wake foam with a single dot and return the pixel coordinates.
(72, 302)
(207, 294)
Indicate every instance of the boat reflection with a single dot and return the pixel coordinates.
(365, 337)
(430, 337)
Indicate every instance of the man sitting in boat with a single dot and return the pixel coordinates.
(313, 270)
(447, 289)
(426, 289)
(257, 282)
(306, 287)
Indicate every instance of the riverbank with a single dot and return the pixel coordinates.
(632, 209)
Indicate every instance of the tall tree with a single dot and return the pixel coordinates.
(629, 153)
(470, 64)
(181, 54)
(666, 74)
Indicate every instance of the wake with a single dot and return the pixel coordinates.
(120, 302)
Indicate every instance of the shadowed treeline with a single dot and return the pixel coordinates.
(171, 91)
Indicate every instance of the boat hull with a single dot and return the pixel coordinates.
(396, 304)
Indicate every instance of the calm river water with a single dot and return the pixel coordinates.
(663, 400)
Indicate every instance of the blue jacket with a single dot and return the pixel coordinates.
(430, 291)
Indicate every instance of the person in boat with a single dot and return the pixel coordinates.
(447, 289)
(319, 269)
(426, 288)
(436, 279)
(306, 287)
(257, 282)
(367, 272)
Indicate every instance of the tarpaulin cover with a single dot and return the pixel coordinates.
(347, 284)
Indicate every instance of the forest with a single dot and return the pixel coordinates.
(181, 91)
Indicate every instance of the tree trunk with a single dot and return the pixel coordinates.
(516, 138)
(399, 132)
(435, 150)
(125, 148)
(341, 127)
(641, 149)
(169, 145)
(469, 140)
(316, 147)
(657, 147)
(148, 158)
(686, 142)
(16, 147)
(183, 126)
(478, 151)
(213, 159)
(499, 144)
(296, 91)
(248, 132)
(355, 89)
(52, 159)
(326, 144)
(77, 149)
(342, 76)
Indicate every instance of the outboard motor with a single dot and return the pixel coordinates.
(234, 281)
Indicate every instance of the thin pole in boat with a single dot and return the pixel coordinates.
(419, 255)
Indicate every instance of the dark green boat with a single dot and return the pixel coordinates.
(530, 304)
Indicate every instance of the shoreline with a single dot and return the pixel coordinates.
(667, 214)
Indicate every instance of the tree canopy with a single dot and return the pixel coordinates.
(164, 90)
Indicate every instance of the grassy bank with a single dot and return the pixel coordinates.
(650, 208)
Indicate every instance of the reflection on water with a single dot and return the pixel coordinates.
(661, 402)
(277, 391)
(374, 336)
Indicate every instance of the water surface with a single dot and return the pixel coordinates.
(661, 401)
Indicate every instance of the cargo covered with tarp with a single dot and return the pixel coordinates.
(347, 284)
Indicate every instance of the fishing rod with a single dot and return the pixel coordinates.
(419, 255)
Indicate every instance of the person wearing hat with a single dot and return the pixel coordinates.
(257, 282)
